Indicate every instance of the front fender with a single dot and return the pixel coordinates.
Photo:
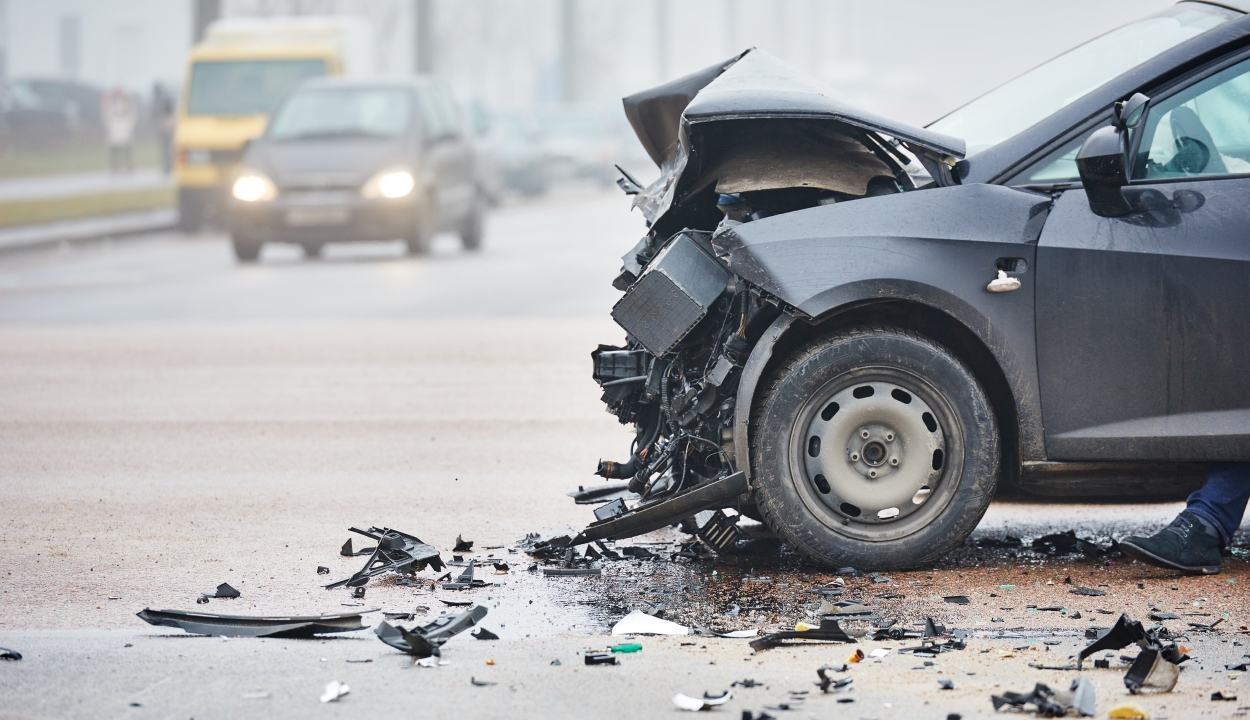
(938, 248)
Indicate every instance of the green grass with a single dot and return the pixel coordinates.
(29, 212)
(71, 159)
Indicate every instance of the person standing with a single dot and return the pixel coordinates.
(119, 129)
(163, 121)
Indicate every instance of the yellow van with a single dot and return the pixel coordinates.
(235, 76)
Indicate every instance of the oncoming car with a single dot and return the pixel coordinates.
(346, 160)
(858, 331)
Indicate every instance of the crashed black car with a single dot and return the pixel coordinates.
(858, 331)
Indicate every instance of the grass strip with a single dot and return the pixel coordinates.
(30, 212)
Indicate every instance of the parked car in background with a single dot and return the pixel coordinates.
(38, 113)
(347, 160)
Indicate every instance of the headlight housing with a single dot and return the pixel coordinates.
(253, 186)
(391, 184)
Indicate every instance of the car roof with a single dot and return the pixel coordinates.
(1238, 5)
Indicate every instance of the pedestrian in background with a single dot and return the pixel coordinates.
(163, 121)
(119, 129)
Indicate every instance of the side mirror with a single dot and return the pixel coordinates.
(1103, 164)
(1129, 113)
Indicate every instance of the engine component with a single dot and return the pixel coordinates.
(673, 294)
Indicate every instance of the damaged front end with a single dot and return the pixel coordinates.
(738, 142)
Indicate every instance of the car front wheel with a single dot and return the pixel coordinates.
(873, 448)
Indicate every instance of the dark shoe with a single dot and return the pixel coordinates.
(1187, 545)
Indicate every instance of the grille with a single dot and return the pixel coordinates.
(674, 293)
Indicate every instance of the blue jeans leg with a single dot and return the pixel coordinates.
(1222, 500)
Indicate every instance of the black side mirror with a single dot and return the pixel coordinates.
(1103, 164)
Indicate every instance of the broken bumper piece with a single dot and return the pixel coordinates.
(254, 626)
(829, 631)
(712, 496)
(396, 552)
(425, 641)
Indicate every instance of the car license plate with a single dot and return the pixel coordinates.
(323, 215)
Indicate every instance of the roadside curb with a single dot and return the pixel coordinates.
(74, 231)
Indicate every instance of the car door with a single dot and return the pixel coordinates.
(456, 187)
(1143, 321)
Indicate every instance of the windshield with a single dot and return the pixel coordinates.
(376, 112)
(1047, 88)
(245, 87)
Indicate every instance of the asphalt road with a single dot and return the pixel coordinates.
(170, 421)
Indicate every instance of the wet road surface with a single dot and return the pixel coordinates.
(170, 421)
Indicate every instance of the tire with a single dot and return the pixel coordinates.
(850, 431)
(246, 250)
(190, 210)
(312, 250)
(471, 230)
(422, 234)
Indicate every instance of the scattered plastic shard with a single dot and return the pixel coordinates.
(828, 631)
(640, 623)
(1219, 696)
(1240, 667)
(626, 648)
(638, 553)
(500, 567)
(456, 603)
(1003, 283)
(1042, 697)
(734, 610)
(856, 656)
(484, 634)
(879, 652)
(347, 551)
(396, 552)
(932, 629)
(828, 684)
(465, 580)
(707, 702)
(480, 683)
(956, 599)
(1082, 697)
(1065, 544)
(843, 607)
(1091, 592)
(253, 626)
(1128, 711)
(748, 715)
(946, 684)
(556, 662)
(600, 658)
(7, 654)
(1163, 616)
(1127, 632)
(358, 592)
(323, 570)
(462, 545)
(334, 691)
(223, 591)
(747, 683)
(736, 634)
(425, 641)
(1102, 664)
(1151, 671)
(720, 531)
(571, 572)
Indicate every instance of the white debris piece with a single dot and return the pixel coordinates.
(640, 623)
(685, 702)
(334, 691)
(740, 633)
(1002, 283)
(879, 652)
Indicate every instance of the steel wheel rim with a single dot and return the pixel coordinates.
(891, 504)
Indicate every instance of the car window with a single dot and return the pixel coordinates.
(1201, 131)
(342, 112)
(1056, 168)
(446, 109)
(431, 120)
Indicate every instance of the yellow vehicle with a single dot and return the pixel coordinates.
(235, 76)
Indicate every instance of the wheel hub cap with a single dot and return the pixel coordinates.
(874, 452)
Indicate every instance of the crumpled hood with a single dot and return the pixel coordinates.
(689, 125)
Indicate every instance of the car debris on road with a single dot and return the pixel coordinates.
(293, 626)
(396, 552)
(426, 640)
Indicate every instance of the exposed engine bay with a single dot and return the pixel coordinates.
(741, 141)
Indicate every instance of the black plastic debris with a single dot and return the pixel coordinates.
(1065, 544)
(1159, 616)
(556, 662)
(323, 570)
(456, 603)
(500, 566)
(610, 510)
(223, 591)
(720, 531)
(347, 551)
(562, 572)
(600, 658)
(1239, 667)
(1090, 592)
(254, 626)
(638, 553)
(399, 615)
(1103, 664)
(7, 654)
(1008, 542)
(1204, 627)
(932, 629)
(425, 640)
(1152, 670)
(1127, 632)
(1075, 616)
(748, 715)
(484, 634)
(946, 684)
(551, 547)
(956, 599)
(480, 683)
(829, 631)
(396, 552)
(465, 580)
(462, 545)
(1042, 698)
(602, 494)
(828, 684)
(359, 592)
(1218, 696)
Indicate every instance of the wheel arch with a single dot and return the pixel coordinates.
(946, 320)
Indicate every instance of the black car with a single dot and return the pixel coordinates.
(859, 331)
(346, 160)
